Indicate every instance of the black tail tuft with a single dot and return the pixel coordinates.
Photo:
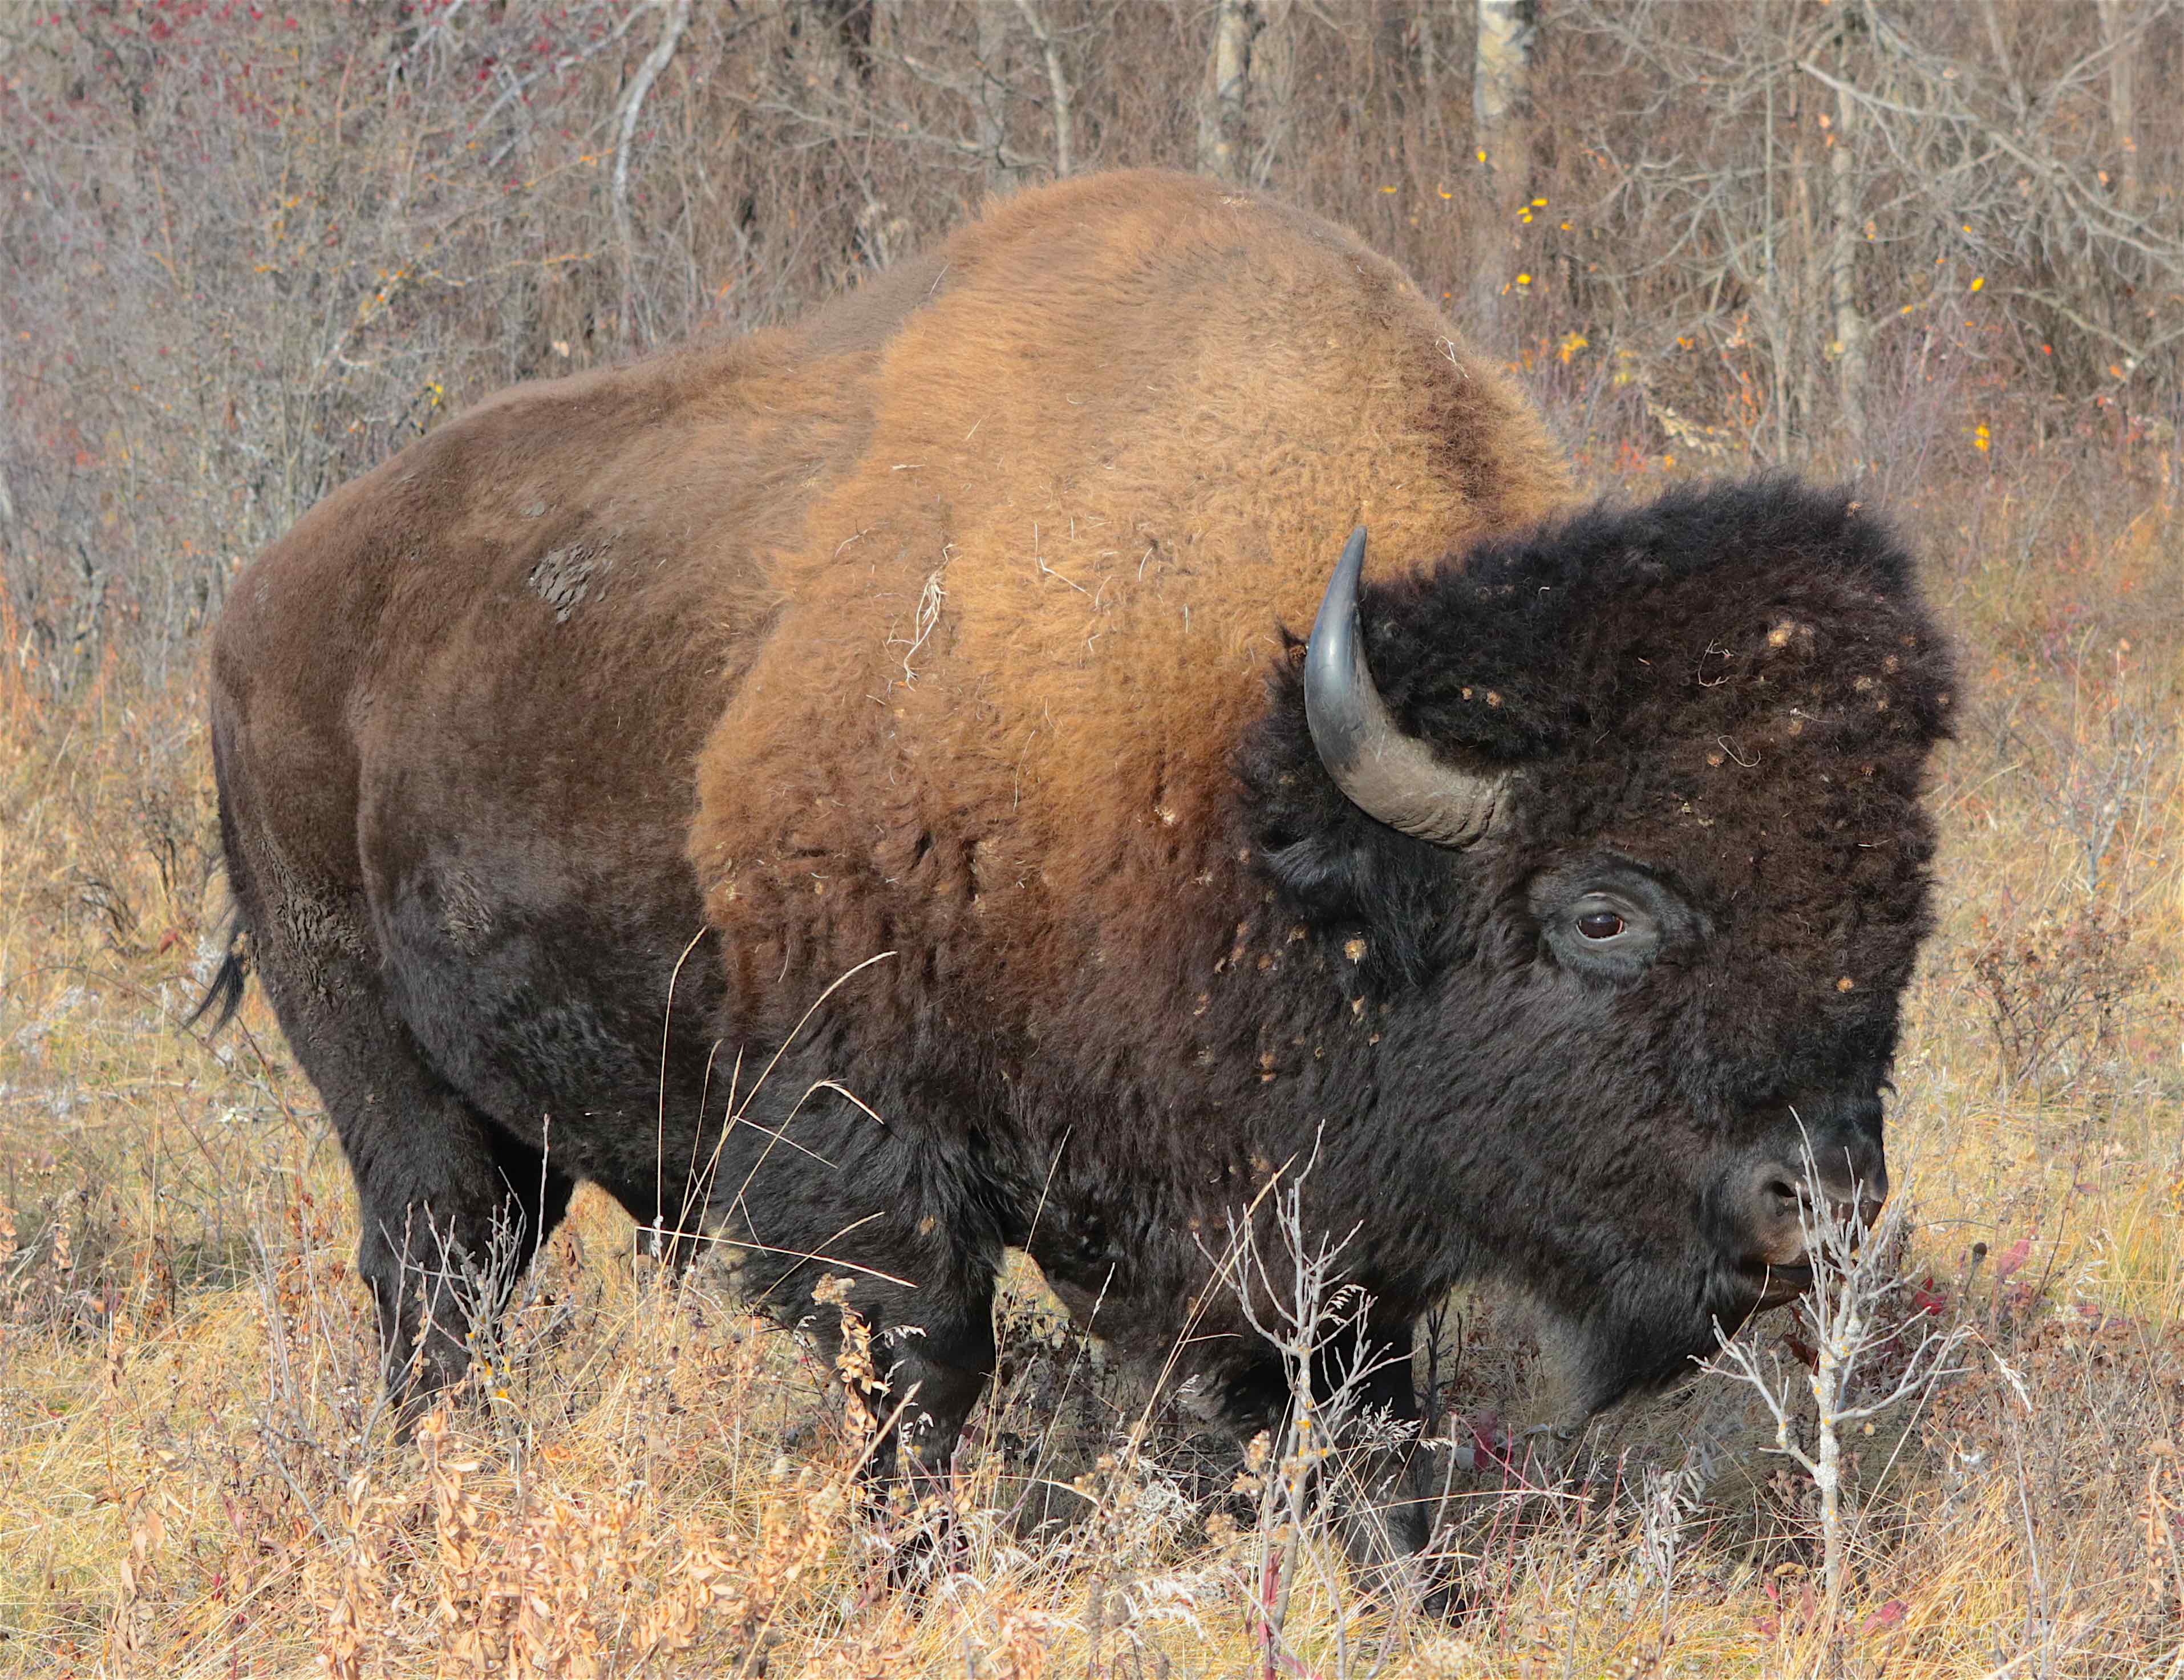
(223, 995)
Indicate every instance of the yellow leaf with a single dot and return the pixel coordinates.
(1571, 343)
(1978, 281)
(1524, 280)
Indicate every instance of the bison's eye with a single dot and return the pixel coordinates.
(1609, 920)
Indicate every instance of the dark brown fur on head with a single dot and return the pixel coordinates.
(1735, 690)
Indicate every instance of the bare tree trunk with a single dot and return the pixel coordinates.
(1809, 268)
(2000, 46)
(1779, 315)
(1227, 84)
(1842, 267)
(1462, 27)
(993, 90)
(1501, 135)
(2123, 114)
(1501, 94)
(632, 106)
(1273, 72)
(1059, 92)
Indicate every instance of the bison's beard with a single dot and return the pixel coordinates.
(1634, 1341)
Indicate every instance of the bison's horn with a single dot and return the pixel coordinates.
(1385, 773)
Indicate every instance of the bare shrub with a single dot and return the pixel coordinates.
(1870, 1350)
(2052, 994)
(1335, 1465)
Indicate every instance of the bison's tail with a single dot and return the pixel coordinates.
(229, 940)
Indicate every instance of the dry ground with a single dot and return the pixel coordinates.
(195, 1478)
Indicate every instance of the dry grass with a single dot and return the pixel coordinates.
(196, 1476)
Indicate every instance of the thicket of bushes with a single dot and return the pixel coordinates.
(252, 248)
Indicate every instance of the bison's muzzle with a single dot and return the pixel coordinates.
(1829, 1173)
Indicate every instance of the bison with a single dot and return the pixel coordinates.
(850, 791)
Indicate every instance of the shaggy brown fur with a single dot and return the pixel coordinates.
(940, 630)
(1087, 463)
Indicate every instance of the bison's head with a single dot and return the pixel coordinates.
(1627, 812)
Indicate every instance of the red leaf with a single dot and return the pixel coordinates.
(1886, 1616)
(2012, 1258)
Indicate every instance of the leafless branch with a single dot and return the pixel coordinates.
(676, 21)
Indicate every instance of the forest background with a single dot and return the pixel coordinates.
(252, 249)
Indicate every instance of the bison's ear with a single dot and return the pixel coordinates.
(1338, 870)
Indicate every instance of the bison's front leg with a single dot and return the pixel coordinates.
(1384, 1502)
(918, 1376)
(930, 1398)
(917, 1382)
(1386, 1516)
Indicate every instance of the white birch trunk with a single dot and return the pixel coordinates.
(1502, 94)
(1849, 346)
(1060, 94)
(1228, 85)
